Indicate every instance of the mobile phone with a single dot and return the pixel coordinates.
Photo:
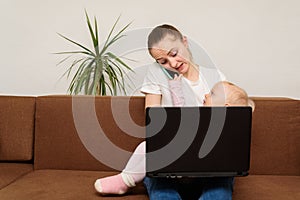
(169, 73)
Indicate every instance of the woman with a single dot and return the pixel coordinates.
(171, 52)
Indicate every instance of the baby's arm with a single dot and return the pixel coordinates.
(175, 86)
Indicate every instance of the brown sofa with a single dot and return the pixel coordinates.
(50, 149)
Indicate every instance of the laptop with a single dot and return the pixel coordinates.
(198, 141)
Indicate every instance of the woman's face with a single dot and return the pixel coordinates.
(172, 54)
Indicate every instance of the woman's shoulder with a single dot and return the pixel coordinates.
(211, 75)
(211, 72)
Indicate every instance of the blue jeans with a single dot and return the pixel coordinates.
(217, 188)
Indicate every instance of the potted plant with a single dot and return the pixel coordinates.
(99, 71)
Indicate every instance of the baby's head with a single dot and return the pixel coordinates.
(227, 94)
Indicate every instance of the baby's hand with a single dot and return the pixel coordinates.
(177, 78)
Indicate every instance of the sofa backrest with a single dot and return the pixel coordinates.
(275, 147)
(16, 128)
(86, 132)
(69, 133)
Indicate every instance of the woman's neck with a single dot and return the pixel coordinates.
(193, 73)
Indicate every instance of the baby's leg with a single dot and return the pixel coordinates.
(136, 166)
(133, 173)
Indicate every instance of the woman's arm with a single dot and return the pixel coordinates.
(152, 100)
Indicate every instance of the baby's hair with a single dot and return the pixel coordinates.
(238, 96)
(160, 32)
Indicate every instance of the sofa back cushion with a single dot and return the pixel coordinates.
(87, 132)
(16, 128)
(96, 133)
(275, 147)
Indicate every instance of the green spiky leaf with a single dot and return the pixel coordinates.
(98, 71)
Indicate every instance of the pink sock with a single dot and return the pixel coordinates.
(111, 185)
(133, 173)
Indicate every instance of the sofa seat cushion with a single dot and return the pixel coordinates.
(9, 172)
(62, 184)
(267, 187)
(70, 184)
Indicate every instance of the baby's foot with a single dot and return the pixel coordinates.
(111, 185)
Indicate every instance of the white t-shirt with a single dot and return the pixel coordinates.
(156, 82)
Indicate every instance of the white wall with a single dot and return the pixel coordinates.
(255, 43)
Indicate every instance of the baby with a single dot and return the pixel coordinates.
(227, 94)
(222, 94)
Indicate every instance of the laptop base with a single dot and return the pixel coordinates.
(196, 175)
